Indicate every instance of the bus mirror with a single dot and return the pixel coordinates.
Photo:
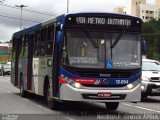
(143, 46)
(59, 38)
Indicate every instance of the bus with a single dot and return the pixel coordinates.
(80, 57)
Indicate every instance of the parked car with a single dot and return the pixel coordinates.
(1, 66)
(150, 77)
(6, 69)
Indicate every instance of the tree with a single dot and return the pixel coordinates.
(151, 32)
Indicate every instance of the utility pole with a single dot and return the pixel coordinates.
(67, 6)
(21, 7)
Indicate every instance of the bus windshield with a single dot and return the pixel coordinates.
(94, 50)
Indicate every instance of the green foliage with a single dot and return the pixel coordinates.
(151, 32)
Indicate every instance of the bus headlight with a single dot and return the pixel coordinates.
(72, 82)
(133, 85)
(77, 85)
(130, 86)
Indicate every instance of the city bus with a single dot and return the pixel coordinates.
(80, 57)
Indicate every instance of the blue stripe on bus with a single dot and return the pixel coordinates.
(111, 81)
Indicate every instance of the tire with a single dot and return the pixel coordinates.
(23, 93)
(52, 104)
(143, 97)
(112, 105)
(144, 94)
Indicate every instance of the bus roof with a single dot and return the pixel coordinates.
(27, 30)
(94, 13)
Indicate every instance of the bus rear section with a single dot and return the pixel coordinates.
(101, 59)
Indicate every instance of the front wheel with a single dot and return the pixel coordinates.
(52, 104)
(112, 105)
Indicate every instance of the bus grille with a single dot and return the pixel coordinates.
(96, 97)
(104, 86)
(105, 74)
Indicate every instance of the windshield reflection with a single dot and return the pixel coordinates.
(80, 51)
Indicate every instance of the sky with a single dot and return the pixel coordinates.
(41, 10)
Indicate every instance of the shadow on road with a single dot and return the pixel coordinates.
(151, 99)
(76, 108)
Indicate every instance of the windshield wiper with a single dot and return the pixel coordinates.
(117, 39)
(90, 38)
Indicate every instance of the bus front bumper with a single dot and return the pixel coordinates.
(69, 93)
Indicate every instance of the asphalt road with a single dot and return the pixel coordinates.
(13, 107)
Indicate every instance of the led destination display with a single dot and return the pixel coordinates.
(103, 21)
(109, 22)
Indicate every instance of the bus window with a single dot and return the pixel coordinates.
(49, 48)
(25, 45)
(37, 43)
(43, 35)
(51, 32)
(42, 43)
(42, 49)
(35, 46)
(13, 47)
(20, 44)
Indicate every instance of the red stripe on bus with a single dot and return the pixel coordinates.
(61, 81)
(86, 81)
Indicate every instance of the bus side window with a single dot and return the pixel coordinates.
(37, 44)
(25, 46)
(50, 39)
(43, 40)
(13, 47)
(65, 49)
(20, 44)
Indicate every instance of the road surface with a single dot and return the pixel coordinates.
(12, 106)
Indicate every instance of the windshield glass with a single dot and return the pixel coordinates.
(150, 66)
(127, 51)
(93, 49)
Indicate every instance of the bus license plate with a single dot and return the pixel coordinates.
(104, 94)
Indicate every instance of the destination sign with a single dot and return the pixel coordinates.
(103, 21)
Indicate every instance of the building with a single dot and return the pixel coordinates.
(157, 2)
(141, 9)
(119, 10)
(133, 7)
(148, 12)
